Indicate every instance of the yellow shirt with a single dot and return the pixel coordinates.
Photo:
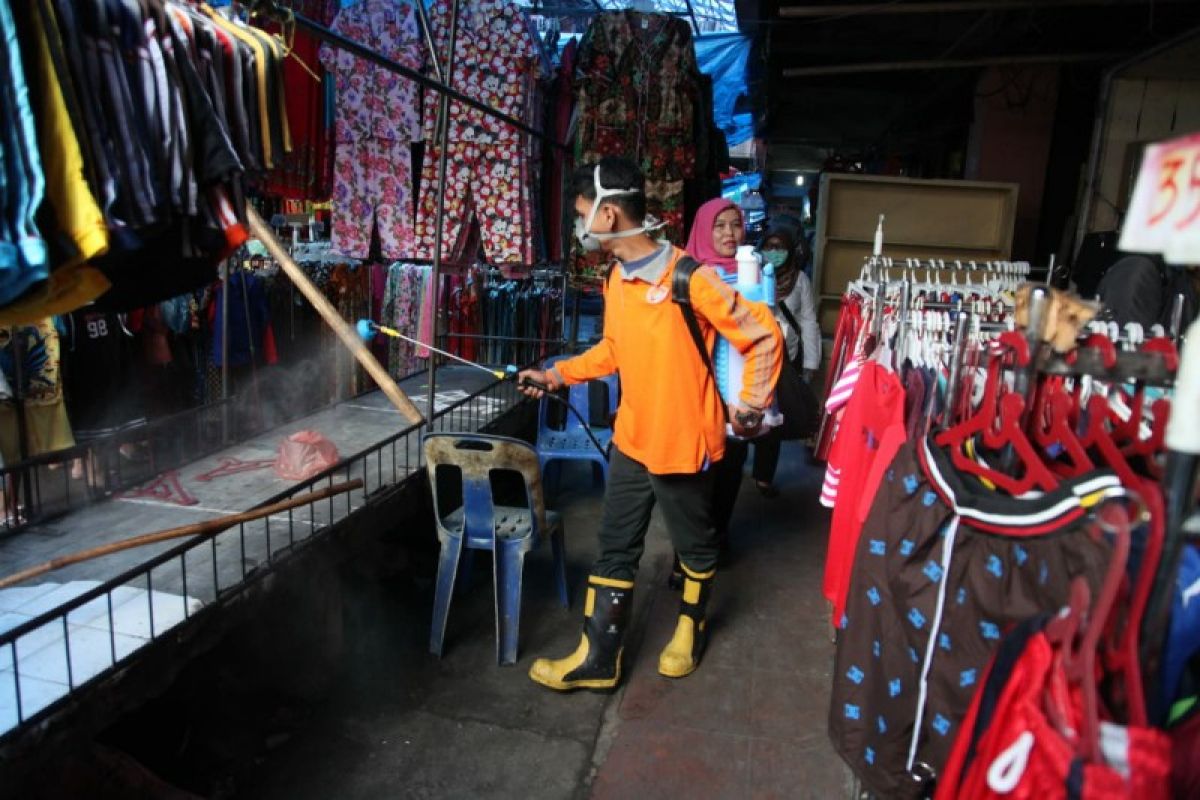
(72, 283)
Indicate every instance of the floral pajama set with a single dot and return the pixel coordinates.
(378, 118)
(497, 60)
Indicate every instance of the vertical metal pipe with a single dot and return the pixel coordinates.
(24, 475)
(1177, 317)
(1039, 307)
(956, 367)
(423, 19)
(18, 392)
(1023, 380)
(225, 352)
(443, 140)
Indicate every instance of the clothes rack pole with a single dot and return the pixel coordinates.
(427, 32)
(225, 350)
(956, 366)
(435, 271)
(324, 34)
(18, 392)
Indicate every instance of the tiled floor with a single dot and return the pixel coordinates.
(52, 658)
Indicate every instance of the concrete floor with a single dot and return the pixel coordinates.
(749, 723)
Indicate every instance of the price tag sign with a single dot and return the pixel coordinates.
(1164, 216)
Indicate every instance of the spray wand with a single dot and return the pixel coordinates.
(367, 329)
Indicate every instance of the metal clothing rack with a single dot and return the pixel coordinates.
(877, 267)
(442, 84)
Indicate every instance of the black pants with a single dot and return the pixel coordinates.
(766, 455)
(729, 474)
(686, 502)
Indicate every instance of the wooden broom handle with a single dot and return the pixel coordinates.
(343, 329)
(209, 526)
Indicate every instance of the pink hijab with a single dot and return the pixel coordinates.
(700, 242)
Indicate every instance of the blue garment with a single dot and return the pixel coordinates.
(25, 182)
(176, 313)
(249, 315)
(1183, 638)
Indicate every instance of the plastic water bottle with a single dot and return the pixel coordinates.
(754, 282)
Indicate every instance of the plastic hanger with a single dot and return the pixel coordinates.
(1051, 427)
(1077, 631)
(1008, 410)
(1128, 434)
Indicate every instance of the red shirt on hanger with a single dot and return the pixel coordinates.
(871, 431)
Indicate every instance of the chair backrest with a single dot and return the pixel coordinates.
(477, 456)
(578, 396)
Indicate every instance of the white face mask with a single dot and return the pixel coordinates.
(589, 239)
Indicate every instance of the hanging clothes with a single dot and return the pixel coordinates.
(378, 118)
(1010, 747)
(99, 369)
(23, 256)
(929, 600)
(70, 217)
(251, 338)
(872, 432)
(560, 109)
(306, 173)
(148, 116)
(39, 393)
(638, 88)
(404, 299)
(488, 180)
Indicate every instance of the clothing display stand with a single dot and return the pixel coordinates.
(443, 73)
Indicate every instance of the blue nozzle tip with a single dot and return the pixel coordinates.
(511, 369)
(366, 329)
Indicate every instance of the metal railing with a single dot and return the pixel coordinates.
(190, 579)
(46, 486)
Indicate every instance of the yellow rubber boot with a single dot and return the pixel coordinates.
(596, 662)
(682, 654)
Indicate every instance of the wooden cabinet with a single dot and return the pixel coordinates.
(965, 220)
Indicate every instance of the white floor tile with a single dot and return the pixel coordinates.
(35, 695)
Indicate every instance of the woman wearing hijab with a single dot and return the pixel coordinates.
(784, 248)
(717, 232)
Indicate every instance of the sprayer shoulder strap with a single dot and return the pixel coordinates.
(681, 295)
(791, 318)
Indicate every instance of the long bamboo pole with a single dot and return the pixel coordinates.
(343, 329)
(210, 526)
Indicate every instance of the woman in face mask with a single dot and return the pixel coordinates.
(784, 247)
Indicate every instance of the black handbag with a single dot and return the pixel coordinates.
(796, 400)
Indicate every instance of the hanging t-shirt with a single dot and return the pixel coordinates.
(98, 365)
(871, 432)
(250, 336)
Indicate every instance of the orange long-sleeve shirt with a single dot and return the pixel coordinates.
(670, 418)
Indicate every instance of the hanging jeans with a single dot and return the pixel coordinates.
(371, 183)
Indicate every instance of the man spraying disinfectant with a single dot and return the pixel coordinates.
(671, 424)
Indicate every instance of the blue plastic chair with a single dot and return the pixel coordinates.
(479, 524)
(571, 442)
